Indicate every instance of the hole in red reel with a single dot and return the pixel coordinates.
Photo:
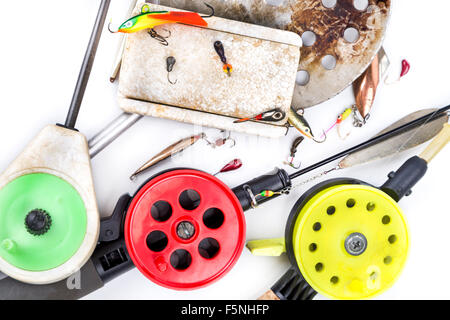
(157, 241)
(161, 211)
(189, 199)
(208, 248)
(180, 259)
(213, 218)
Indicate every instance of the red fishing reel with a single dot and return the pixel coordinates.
(184, 229)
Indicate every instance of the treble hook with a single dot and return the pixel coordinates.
(155, 35)
(291, 163)
(212, 11)
(229, 138)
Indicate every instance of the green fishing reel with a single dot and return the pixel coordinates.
(345, 240)
(42, 221)
(49, 222)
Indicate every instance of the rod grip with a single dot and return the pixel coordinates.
(276, 180)
(437, 144)
(401, 181)
(292, 286)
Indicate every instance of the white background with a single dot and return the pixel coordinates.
(43, 44)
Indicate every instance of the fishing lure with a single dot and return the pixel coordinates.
(365, 87)
(297, 120)
(339, 121)
(170, 62)
(405, 70)
(271, 116)
(341, 117)
(227, 68)
(168, 152)
(231, 166)
(179, 146)
(293, 151)
(150, 19)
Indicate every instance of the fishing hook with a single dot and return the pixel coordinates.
(291, 163)
(170, 62)
(221, 141)
(287, 125)
(229, 138)
(162, 40)
(232, 140)
(212, 11)
(170, 81)
(109, 27)
(324, 135)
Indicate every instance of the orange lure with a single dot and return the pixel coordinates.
(150, 19)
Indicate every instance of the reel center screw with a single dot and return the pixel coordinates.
(185, 230)
(355, 244)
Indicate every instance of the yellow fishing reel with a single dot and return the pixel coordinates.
(345, 240)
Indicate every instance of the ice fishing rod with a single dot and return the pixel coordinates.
(345, 238)
(149, 239)
(47, 195)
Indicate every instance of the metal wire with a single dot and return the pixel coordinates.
(86, 67)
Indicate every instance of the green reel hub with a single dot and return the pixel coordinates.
(350, 241)
(43, 222)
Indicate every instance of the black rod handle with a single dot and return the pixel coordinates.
(247, 192)
(292, 286)
(401, 181)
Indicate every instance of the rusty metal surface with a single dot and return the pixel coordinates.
(329, 25)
